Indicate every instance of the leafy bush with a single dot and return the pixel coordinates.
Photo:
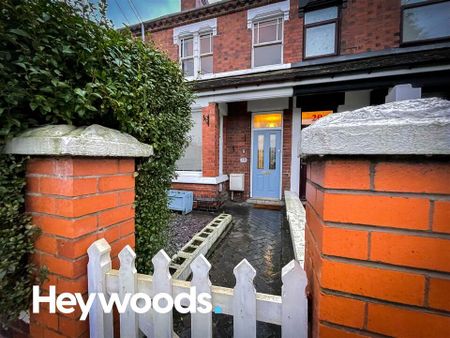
(60, 64)
(16, 240)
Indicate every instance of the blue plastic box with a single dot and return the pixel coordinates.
(180, 200)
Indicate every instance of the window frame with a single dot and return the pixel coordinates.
(196, 52)
(337, 32)
(183, 58)
(258, 21)
(200, 55)
(423, 41)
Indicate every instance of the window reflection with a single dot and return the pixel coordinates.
(321, 32)
(426, 22)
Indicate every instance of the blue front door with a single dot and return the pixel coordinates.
(266, 162)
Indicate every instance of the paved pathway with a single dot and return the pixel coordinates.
(262, 237)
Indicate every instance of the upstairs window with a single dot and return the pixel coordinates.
(206, 54)
(268, 42)
(187, 56)
(196, 54)
(321, 32)
(424, 21)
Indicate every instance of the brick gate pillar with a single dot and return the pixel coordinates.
(378, 221)
(80, 187)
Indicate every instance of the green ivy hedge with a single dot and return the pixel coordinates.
(62, 64)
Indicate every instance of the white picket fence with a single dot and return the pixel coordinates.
(243, 302)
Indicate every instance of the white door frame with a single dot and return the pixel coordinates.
(281, 146)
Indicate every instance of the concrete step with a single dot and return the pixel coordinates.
(269, 203)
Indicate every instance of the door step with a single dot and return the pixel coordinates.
(266, 203)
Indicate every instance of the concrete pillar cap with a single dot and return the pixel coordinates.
(410, 127)
(68, 140)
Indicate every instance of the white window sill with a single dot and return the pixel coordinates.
(239, 72)
(197, 178)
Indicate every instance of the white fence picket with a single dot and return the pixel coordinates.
(162, 283)
(100, 323)
(201, 323)
(128, 284)
(244, 302)
(294, 306)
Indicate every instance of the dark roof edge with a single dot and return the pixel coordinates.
(198, 14)
(392, 61)
(367, 55)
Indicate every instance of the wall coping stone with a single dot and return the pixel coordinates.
(410, 127)
(296, 216)
(62, 140)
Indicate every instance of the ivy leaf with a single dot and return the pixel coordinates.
(20, 32)
(80, 92)
(33, 105)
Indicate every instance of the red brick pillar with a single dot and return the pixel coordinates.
(210, 140)
(378, 225)
(75, 201)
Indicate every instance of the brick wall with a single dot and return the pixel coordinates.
(293, 36)
(287, 144)
(238, 143)
(232, 46)
(233, 43)
(366, 25)
(210, 140)
(370, 25)
(205, 195)
(164, 42)
(377, 247)
(76, 201)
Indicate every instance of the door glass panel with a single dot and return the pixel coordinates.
(267, 121)
(273, 152)
(260, 164)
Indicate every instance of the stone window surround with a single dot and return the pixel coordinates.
(194, 30)
(277, 9)
(272, 11)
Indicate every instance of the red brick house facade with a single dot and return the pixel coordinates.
(264, 68)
